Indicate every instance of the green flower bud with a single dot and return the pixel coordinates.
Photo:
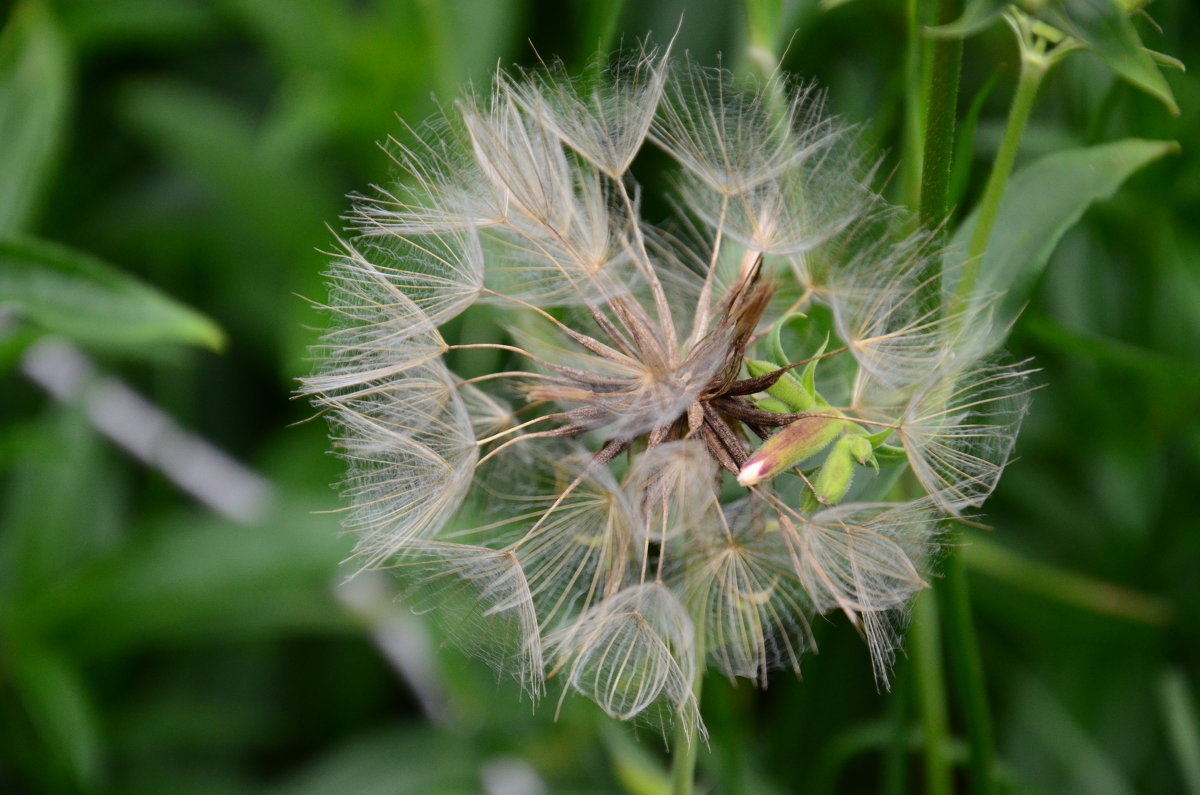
(787, 389)
(790, 445)
(834, 477)
(861, 448)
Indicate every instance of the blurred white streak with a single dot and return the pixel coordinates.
(508, 775)
(402, 638)
(149, 434)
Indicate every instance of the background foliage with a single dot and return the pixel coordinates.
(167, 172)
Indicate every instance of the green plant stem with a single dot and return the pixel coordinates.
(915, 68)
(941, 110)
(967, 672)
(1033, 69)
(683, 760)
(925, 645)
(762, 22)
(895, 756)
(600, 21)
(937, 162)
(687, 739)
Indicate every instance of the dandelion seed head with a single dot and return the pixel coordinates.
(631, 493)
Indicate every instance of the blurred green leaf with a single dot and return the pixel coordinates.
(1183, 725)
(155, 24)
(1082, 765)
(392, 762)
(34, 85)
(285, 29)
(205, 579)
(212, 137)
(1042, 201)
(638, 771)
(15, 338)
(1105, 598)
(1173, 381)
(1104, 27)
(59, 707)
(73, 294)
(62, 505)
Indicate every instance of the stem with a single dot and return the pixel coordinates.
(763, 18)
(687, 740)
(937, 163)
(939, 121)
(915, 68)
(601, 18)
(683, 761)
(931, 693)
(895, 757)
(1033, 69)
(967, 670)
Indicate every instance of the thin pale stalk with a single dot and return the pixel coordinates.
(642, 257)
(703, 308)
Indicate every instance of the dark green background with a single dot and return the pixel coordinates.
(149, 646)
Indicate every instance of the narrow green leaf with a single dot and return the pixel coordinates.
(70, 293)
(1162, 59)
(59, 708)
(1042, 201)
(1097, 596)
(34, 77)
(1105, 29)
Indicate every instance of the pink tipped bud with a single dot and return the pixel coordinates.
(792, 444)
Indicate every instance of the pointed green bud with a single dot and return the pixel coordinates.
(790, 445)
(863, 451)
(834, 477)
(787, 389)
(861, 448)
